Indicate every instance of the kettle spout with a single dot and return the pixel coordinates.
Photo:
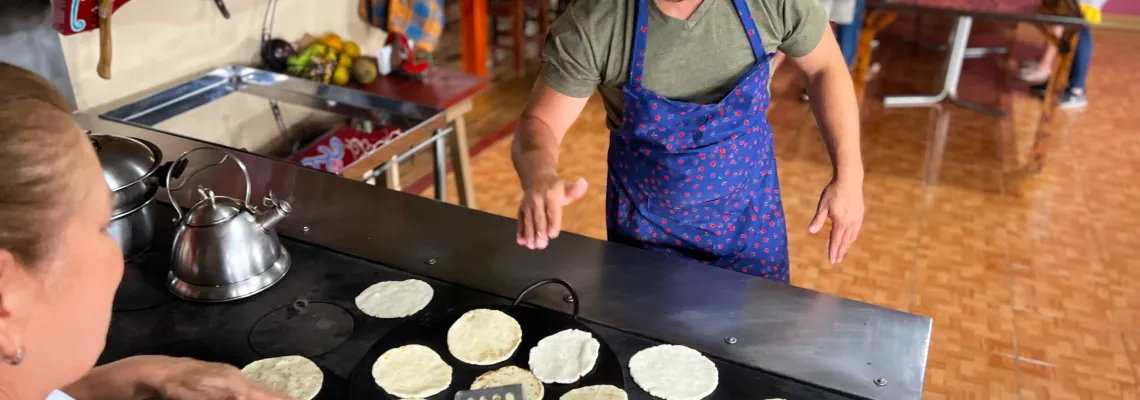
(278, 210)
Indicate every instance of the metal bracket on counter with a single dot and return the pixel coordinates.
(439, 150)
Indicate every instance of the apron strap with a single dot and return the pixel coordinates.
(640, 32)
(750, 28)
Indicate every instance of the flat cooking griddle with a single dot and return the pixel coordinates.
(430, 329)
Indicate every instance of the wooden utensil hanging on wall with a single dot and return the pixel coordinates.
(75, 16)
(106, 7)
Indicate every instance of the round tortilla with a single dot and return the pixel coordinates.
(598, 392)
(564, 357)
(411, 371)
(395, 299)
(484, 337)
(511, 375)
(294, 376)
(674, 372)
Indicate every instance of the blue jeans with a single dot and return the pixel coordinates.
(1081, 60)
(848, 35)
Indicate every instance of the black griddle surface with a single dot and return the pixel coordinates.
(221, 332)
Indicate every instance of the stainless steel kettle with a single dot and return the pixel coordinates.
(224, 249)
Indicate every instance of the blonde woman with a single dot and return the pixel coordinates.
(59, 267)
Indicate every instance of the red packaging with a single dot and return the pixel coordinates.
(341, 147)
(74, 16)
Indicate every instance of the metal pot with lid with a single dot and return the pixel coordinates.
(129, 167)
(224, 248)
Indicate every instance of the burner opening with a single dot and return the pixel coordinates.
(302, 328)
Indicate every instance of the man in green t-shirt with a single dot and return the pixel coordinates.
(685, 86)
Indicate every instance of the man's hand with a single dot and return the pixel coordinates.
(843, 203)
(540, 212)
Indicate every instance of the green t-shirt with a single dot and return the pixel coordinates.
(695, 60)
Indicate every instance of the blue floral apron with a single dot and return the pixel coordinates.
(699, 180)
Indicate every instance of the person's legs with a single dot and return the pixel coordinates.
(1075, 97)
(848, 35)
(1081, 60)
(1044, 67)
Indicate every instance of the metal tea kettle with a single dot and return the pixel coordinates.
(224, 249)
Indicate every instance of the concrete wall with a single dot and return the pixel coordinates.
(28, 40)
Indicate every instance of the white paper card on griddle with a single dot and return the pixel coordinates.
(672, 372)
(508, 392)
(596, 392)
(512, 375)
(484, 337)
(295, 376)
(564, 357)
(395, 299)
(412, 371)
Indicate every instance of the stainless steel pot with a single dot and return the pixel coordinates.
(134, 228)
(129, 167)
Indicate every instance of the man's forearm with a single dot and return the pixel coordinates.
(128, 379)
(535, 150)
(837, 115)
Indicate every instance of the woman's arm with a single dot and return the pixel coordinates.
(126, 379)
(145, 377)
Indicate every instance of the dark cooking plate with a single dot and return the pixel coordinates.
(430, 329)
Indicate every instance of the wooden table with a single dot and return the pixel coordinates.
(1041, 13)
(448, 90)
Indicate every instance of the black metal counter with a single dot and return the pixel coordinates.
(333, 333)
(847, 347)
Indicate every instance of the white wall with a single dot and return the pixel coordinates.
(161, 42)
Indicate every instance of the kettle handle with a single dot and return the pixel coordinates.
(182, 159)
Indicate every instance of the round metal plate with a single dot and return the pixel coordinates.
(304, 329)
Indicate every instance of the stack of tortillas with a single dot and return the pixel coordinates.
(395, 299)
(599, 392)
(294, 376)
(484, 337)
(411, 371)
(674, 372)
(511, 375)
(564, 357)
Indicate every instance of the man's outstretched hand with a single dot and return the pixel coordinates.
(540, 212)
(843, 204)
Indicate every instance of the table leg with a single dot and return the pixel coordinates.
(959, 38)
(473, 28)
(1067, 45)
(461, 162)
(439, 150)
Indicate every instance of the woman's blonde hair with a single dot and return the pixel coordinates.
(37, 151)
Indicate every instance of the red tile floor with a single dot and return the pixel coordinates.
(1032, 279)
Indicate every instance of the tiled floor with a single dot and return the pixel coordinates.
(1032, 279)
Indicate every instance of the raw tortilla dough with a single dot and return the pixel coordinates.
(394, 299)
(564, 357)
(294, 376)
(411, 371)
(484, 337)
(674, 372)
(598, 392)
(511, 375)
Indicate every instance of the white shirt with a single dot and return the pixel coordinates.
(58, 395)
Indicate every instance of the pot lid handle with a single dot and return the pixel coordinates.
(182, 159)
